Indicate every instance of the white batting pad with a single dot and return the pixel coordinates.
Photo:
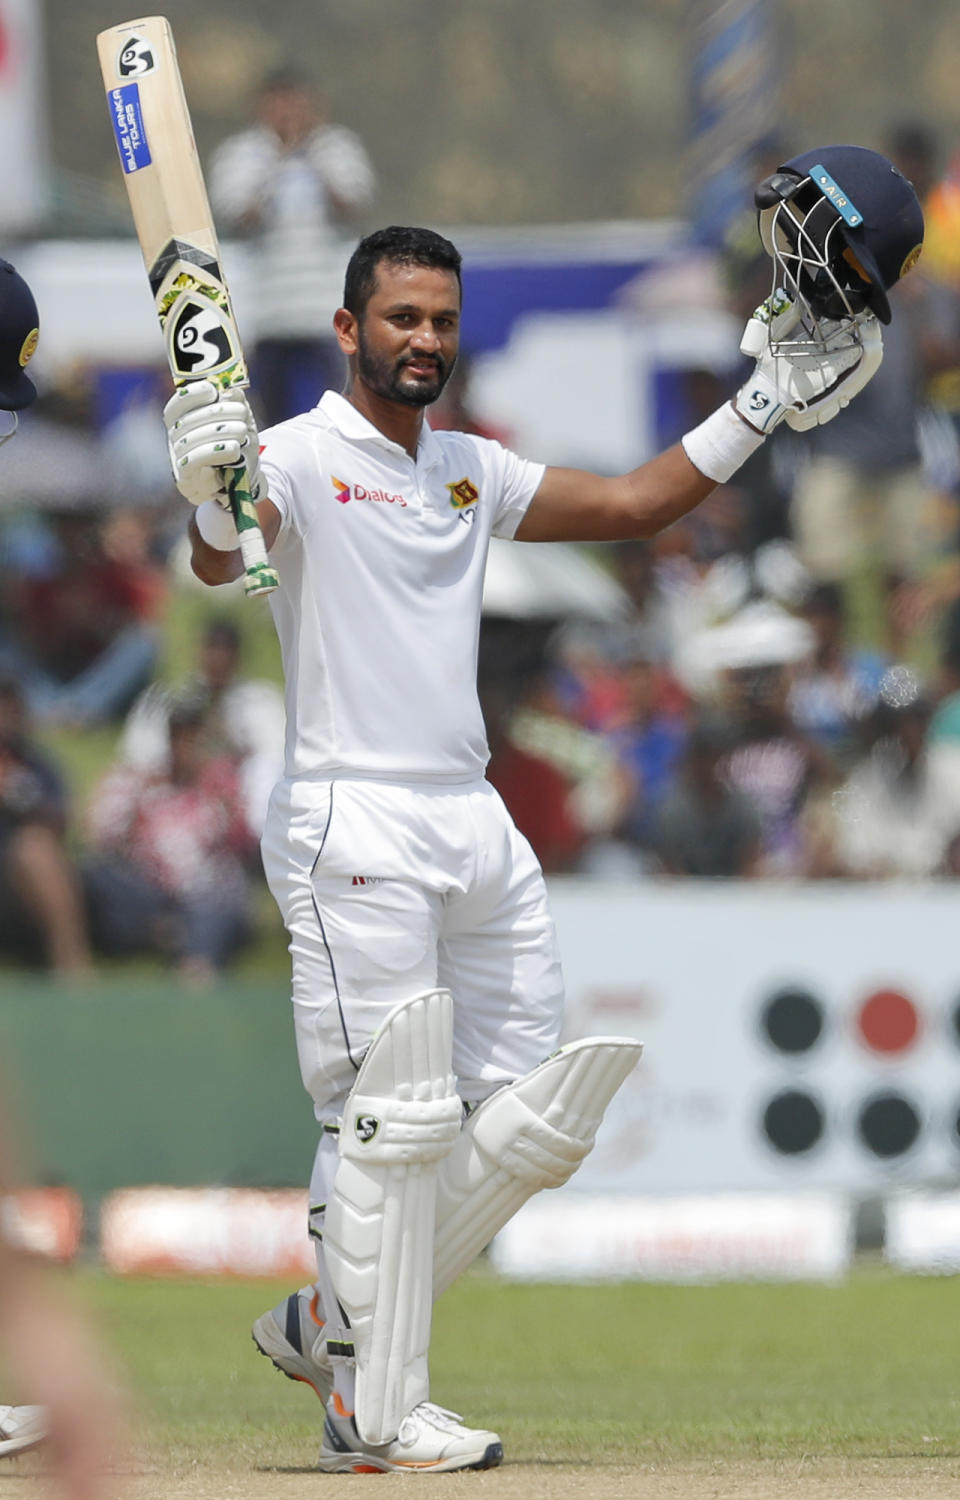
(402, 1117)
(532, 1134)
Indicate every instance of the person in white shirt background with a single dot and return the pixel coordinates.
(294, 186)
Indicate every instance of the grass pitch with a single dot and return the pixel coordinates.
(631, 1373)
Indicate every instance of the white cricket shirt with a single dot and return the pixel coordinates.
(381, 562)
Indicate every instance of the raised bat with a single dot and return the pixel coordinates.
(171, 214)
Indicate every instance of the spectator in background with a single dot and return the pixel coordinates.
(704, 827)
(774, 767)
(635, 569)
(41, 910)
(84, 636)
(244, 718)
(170, 849)
(705, 574)
(649, 737)
(945, 723)
(898, 812)
(864, 503)
(601, 788)
(538, 795)
(917, 151)
(295, 185)
(454, 412)
(585, 681)
(834, 690)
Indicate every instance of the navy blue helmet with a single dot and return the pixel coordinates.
(19, 331)
(844, 225)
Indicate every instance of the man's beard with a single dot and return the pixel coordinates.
(383, 377)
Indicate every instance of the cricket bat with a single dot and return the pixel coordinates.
(171, 214)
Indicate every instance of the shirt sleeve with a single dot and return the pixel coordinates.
(520, 480)
(285, 465)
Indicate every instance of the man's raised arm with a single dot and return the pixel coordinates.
(797, 378)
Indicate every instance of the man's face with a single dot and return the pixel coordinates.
(290, 112)
(218, 661)
(406, 339)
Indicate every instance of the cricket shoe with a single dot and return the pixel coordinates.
(429, 1439)
(22, 1428)
(292, 1335)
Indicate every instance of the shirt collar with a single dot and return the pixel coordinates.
(352, 424)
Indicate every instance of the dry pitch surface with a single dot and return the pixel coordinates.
(27, 1478)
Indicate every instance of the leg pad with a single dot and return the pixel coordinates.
(529, 1135)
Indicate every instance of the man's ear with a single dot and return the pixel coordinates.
(345, 327)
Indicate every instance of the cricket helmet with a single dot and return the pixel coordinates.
(842, 225)
(19, 331)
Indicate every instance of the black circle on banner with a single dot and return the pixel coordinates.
(792, 1020)
(793, 1122)
(888, 1124)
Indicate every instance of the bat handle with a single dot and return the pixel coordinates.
(258, 576)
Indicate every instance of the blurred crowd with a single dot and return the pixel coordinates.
(777, 695)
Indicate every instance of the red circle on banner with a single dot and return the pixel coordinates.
(888, 1021)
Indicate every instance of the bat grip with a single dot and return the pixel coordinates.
(258, 576)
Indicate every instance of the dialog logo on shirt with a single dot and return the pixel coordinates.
(463, 493)
(346, 492)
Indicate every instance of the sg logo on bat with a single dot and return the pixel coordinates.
(135, 58)
(199, 342)
(198, 328)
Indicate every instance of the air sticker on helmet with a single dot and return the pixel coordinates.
(837, 196)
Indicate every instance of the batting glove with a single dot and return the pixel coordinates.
(802, 378)
(209, 432)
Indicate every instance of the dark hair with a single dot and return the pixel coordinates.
(401, 246)
(221, 631)
(913, 138)
(826, 599)
(288, 77)
(187, 710)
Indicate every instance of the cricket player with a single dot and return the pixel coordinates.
(48, 1347)
(21, 1427)
(427, 990)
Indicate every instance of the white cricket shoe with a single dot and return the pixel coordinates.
(429, 1438)
(292, 1335)
(21, 1428)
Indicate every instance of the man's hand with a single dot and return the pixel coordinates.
(209, 432)
(801, 377)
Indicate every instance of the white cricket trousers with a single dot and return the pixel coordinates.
(390, 889)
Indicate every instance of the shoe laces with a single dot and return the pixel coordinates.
(437, 1416)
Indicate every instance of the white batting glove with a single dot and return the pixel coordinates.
(798, 378)
(208, 432)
